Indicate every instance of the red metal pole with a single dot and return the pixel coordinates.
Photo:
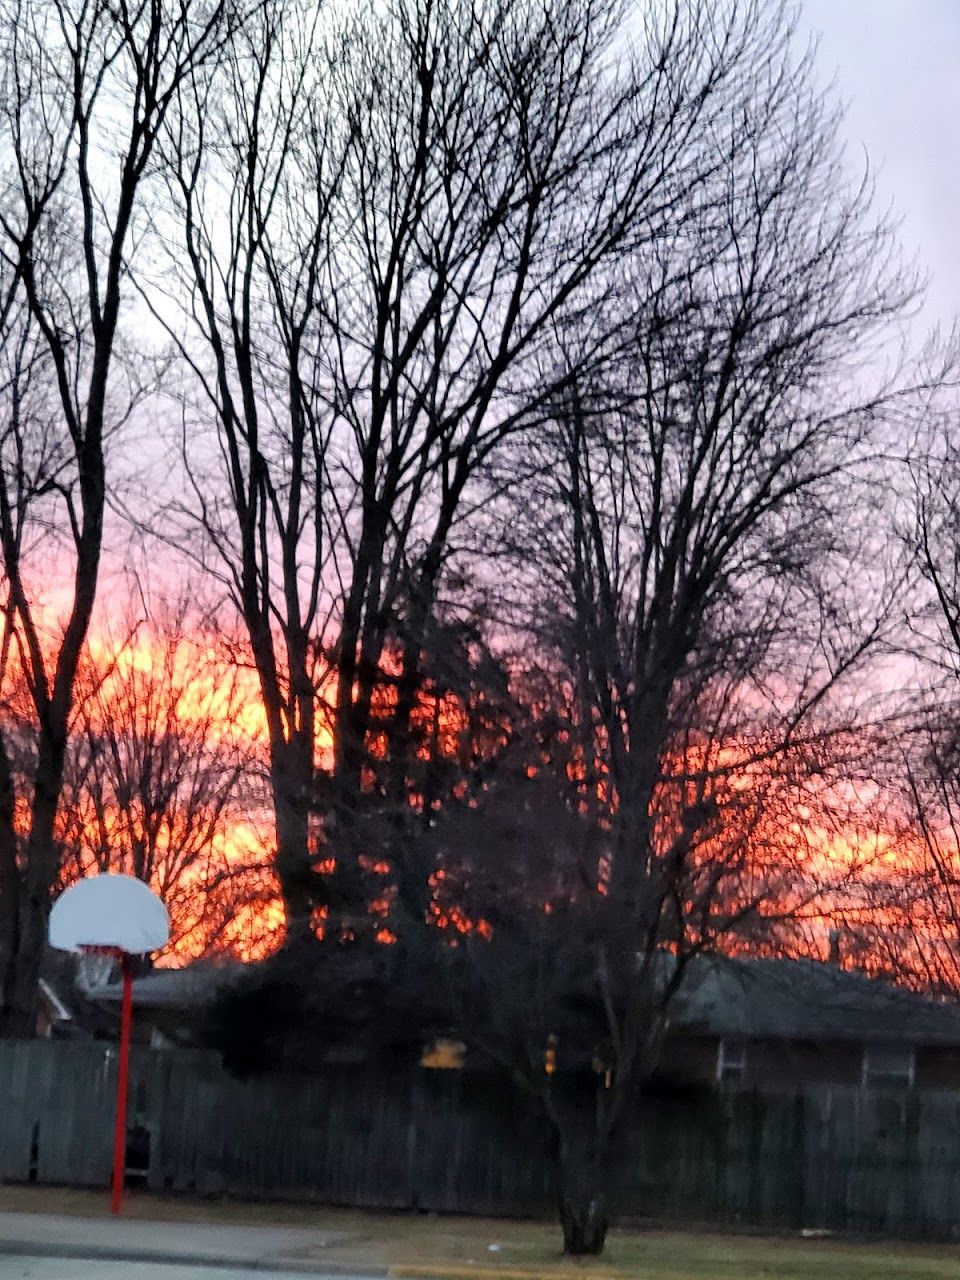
(123, 1077)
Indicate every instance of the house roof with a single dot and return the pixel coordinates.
(806, 1000)
(191, 988)
(759, 998)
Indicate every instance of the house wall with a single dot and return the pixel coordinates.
(773, 1064)
(689, 1059)
(790, 1064)
(937, 1068)
(770, 1064)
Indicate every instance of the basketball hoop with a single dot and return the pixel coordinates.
(108, 919)
(95, 967)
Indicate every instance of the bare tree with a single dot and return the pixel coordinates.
(162, 782)
(690, 526)
(32, 455)
(383, 217)
(86, 87)
(907, 924)
(545, 975)
(252, 163)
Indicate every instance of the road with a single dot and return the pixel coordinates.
(24, 1268)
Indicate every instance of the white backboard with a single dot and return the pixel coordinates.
(109, 911)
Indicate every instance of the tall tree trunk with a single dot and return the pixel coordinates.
(41, 866)
(20, 1011)
(10, 890)
(291, 768)
(583, 1201)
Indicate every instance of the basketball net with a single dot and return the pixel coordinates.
(95, 968)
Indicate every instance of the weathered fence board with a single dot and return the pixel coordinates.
(840, 1158)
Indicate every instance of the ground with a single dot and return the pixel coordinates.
(272, 1238)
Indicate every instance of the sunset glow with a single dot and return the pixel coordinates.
(228, 901)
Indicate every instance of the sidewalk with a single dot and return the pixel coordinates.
(185, 1243)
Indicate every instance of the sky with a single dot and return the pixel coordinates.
(896, 66)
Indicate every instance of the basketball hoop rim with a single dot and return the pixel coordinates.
(95, 949)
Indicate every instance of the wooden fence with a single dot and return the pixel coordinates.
(839, 1158)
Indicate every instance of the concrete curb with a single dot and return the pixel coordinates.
(107, 1253)
(462, 1271)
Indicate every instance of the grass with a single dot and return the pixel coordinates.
(447, 1248)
